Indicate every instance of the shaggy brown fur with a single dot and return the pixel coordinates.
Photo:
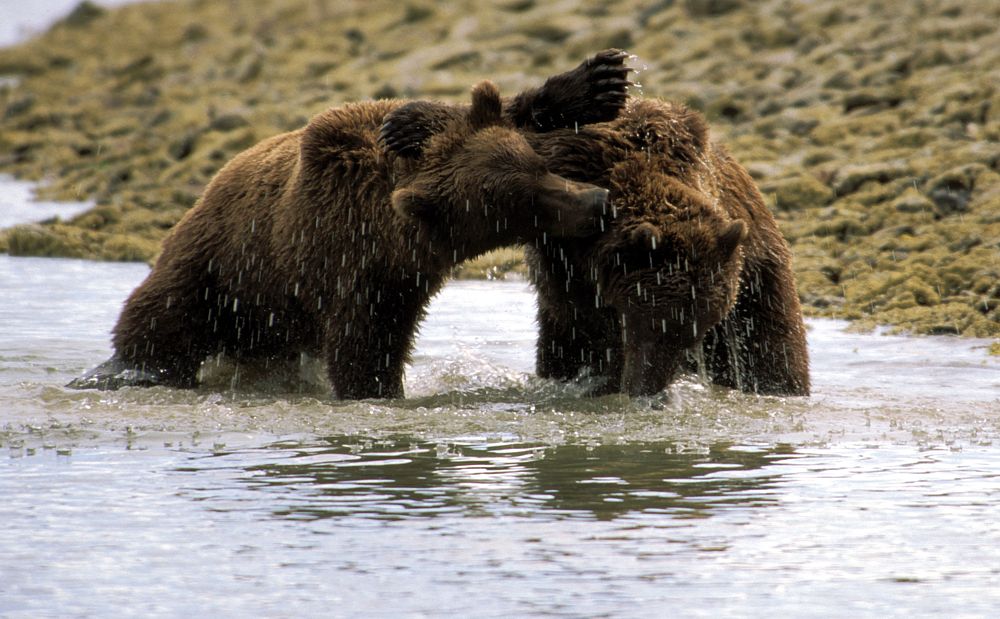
(320, 241)
(692, 262)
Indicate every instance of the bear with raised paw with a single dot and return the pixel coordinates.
(332, 239)
(690, 268)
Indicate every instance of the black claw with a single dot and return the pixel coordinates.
(607, 77)
(611, 94)
(617, 82)
(612, 55)
(613, 68)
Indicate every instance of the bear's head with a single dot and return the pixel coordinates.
(475, 184)
(669, 266)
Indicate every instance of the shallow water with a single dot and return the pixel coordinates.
(17, 205)
(21, 19)
(488, 492)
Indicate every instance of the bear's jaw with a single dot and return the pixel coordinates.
(650, 366)
(654, 344)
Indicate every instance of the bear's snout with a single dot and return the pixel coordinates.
(597, 198)
(574, 209)
(584, 216)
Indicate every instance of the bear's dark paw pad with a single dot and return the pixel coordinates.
(595, 91)
(114, 374)
(607, 85)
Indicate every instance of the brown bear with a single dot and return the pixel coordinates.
(326, 241)
(692, 264)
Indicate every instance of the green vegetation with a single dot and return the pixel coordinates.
(872, 128)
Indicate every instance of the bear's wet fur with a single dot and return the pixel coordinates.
(330, 242)
(692, 266)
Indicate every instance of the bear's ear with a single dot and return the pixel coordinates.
(407, 128)
(414, 203)
(645, 236)
(734, 234)
(486, 105)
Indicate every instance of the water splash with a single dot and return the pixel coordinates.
(636, 65)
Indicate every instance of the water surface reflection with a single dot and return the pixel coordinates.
(403, 478)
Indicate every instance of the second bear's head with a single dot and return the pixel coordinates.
(669, 266)
(474, 182)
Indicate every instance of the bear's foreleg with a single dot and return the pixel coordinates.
(584, 348)
(363, 368)
(367, 347)
(577, 336)
(760, 347)
(164, 333)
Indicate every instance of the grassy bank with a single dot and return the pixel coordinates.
(872, 128)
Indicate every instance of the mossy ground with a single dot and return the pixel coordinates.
(872, 128)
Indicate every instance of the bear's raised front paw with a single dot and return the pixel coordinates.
(593, 92)
(607, 79)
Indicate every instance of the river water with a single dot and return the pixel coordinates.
(488, 492)
(21, 19)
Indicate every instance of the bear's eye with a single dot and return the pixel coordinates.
(672, 263)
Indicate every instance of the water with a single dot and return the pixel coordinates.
(488, 492)
(18, 206)
(20, 19)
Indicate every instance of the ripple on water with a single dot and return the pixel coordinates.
(753, 527)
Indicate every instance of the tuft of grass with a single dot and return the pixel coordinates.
(498, 264)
